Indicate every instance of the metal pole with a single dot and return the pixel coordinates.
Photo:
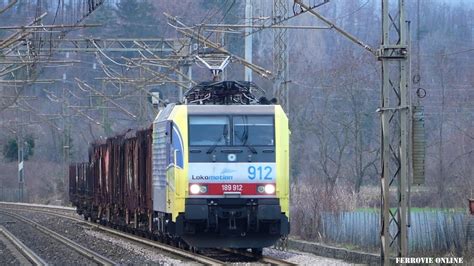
(410, 127)
(385, 217)
(190, 76)
(404, 113)
(223, 75)
(248, 38)
(396, 130)
(385, 117)
(20, 153)
(20, 168)
(280, 54)
(180, 81)
(66, 136)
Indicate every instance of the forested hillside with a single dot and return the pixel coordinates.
(334, 91)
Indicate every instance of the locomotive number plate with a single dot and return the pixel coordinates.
(232, 187)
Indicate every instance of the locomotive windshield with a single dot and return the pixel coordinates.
(254, 130)
(209, 130)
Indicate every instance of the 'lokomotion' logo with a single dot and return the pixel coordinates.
(212, 177)
(227, 171)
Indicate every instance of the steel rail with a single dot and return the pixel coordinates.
(274, 261)
(101, 260)
(56, 207)
(176, 251)
(173, 250)
(30, 255)
(263, 259)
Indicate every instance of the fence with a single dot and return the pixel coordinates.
(431, 232)
(12, 194)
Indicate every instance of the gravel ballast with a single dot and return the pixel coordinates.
(117, 249)
(302, 258)
(49, 249)
(6, 257)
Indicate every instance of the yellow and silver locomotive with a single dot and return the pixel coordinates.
(225, 182)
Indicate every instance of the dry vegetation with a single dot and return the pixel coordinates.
(44, 181)
(334, 91)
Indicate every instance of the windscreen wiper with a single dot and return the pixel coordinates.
(213, 147)
(224, 134)
(248, 145)
(251, 148)
(245, 137)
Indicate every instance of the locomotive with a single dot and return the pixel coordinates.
(212, 172)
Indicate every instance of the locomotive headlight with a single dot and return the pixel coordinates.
(198, 189)
(195, 189)
(269, 188)
(261, 189)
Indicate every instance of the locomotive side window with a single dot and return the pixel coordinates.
(253, 130)
(209, 130)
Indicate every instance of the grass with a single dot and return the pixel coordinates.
(414, 209)
(349, 246)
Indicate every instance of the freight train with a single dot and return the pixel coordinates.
(212, 172)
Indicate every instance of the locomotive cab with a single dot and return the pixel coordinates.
(232, 198)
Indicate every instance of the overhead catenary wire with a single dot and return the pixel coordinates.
(106, 56)
(113, 102)
(200, 38)
(335, 27)
(8, 6)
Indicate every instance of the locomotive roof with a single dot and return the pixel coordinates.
(231, 109)
(227, 92)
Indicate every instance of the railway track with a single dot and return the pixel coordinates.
(24, 252)
(83, 251)
(263, 259)
(212, 256)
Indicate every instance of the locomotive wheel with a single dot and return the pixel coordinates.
(149, 235)
(160, 238)
(183, 245)
(175, 243)
(257, 252)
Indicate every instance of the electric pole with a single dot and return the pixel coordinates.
(395, 113)
(248, 37)
(396, 120)
(21, 155)
(184, 49)
(66, 144)
(280, 54)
